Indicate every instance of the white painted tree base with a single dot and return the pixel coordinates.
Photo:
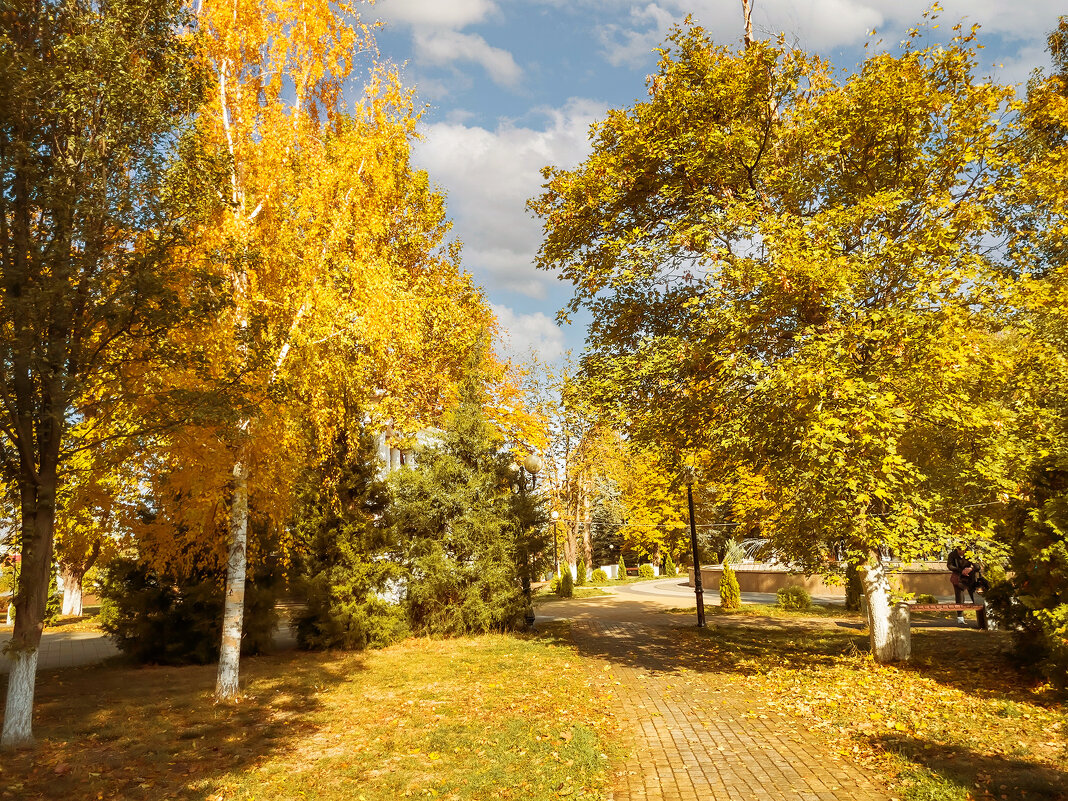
(72, 597)
(18, 712)
(888, 624)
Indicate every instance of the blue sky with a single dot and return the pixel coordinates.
(513, 85)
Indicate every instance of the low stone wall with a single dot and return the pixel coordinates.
(929, 578)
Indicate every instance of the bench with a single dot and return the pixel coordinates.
(632, 571)
(979, 609)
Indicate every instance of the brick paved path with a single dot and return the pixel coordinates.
(697, 738)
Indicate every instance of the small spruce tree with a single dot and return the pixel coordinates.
(567, 585)
(730, 596)
(669, 566)
(341, 570)
(622, 566)
(580, 572)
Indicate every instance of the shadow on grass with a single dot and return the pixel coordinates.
(1003, 777)
(156, 732)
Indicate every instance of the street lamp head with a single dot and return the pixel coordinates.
(555, 515)
(532, 463)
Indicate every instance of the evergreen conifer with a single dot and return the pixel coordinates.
(730, 596)
(342, 568)
(467, 536)
(669, 566)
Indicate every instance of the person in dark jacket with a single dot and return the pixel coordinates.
(964, 575)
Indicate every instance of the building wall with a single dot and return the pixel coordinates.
(930, 578)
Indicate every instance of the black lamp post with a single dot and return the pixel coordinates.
(555, 515)
(532, 464)
(697, 588)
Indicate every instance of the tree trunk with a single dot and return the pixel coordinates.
(37, 496)
(888, 625)
(854, 590)
(587, 533)
(72, 590)
(226, 687)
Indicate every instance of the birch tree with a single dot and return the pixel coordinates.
(340, 283)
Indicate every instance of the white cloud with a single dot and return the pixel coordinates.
(490, 175)
(441, 47)
(814, 24)
(632, 45)
(436, 13)
(523, 334)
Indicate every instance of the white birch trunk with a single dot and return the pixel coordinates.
(72, 593)
(18, 712)
(888, 625)
(226, 686)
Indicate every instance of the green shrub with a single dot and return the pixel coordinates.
(925, 598)
(599, 576)
(730, 596)
(795, 598)
(646, 572)
(567, 585)
(580, 572)
(669, 566)
(160, 619)
(622, 567)
(344, 615)
(554, 585)
(1029, 600)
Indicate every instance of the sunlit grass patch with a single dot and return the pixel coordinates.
(497, 716)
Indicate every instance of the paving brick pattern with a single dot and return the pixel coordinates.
(697, 738)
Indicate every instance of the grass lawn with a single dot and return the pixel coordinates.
(958, 722)
(474, 718)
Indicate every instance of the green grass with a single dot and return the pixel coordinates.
(472, 718)
(772, 611)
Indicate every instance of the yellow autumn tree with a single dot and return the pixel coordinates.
(339, 291)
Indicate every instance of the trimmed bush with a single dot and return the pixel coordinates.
(567, 585)
(925, 598)
(622, 566)
(730, 596)
(669, 566)
(580, 572)
(159, 619)
(599, 576)
(794, 598)
(646, 572)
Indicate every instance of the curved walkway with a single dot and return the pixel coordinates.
(697, 737)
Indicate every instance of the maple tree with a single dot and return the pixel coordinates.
(786, 270)
(1030, 602)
